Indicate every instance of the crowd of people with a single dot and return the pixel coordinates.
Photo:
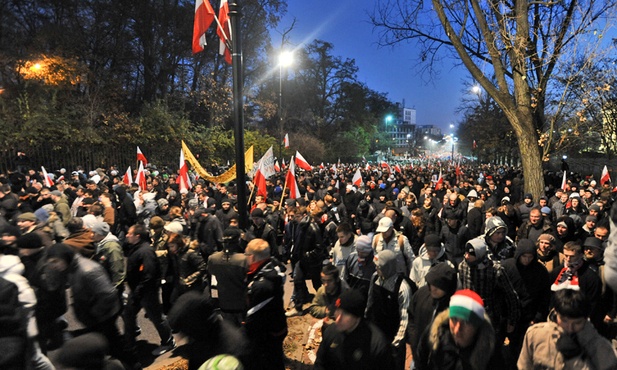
(465, 269)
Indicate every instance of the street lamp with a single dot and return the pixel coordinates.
(285, 60)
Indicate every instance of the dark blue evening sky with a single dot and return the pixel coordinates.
(391, 70)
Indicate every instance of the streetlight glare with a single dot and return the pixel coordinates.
(286, 58)
(476, 89)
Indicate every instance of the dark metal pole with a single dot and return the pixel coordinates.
(238, 98)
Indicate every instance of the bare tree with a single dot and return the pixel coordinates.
(512, 49)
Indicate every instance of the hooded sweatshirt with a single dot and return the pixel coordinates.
(421, 265)
(11, 269)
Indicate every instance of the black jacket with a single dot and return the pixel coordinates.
(142, 269)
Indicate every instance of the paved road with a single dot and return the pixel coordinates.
(149, 338)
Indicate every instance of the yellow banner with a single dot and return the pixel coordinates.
(223, 178)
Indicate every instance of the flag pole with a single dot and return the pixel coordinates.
(238, 97)
(282, 196)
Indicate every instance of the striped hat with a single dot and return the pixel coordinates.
(468, 306)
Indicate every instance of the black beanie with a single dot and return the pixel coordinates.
(29, 241)
(442, 276)
(352, 301)
(62, 251)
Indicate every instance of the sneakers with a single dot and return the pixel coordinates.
(293, 312)
(170, 345)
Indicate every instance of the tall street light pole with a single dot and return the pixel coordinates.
(285, 60)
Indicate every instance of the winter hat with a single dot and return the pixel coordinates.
(505, 200)
(352, 302)
(467, 305)
(62, 251)
(432, 241)
(222, 362)
(42, 215)
(86, 351)
(156, 222)
(100, 228)
(384, 224)
(193, 203)
(11, 230)
(545, 210)
(28, 216)
(442, 276)
(257, 212)
(56, 193)
(493, 224)
(363, 244)
(524, 246)
(547, 237)
(593, 242)
(162, 202)
(29, 241)
(225, 200)
(472, 194)
(211, 202)
(528, 196)
(591, 218)
(174, 227)
(594, 207)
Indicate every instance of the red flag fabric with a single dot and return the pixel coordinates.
(474, 145)
(606, 177)
(204, 16)
(260, 181)
(128, 177)
(458, 171)
(439, 183)
(183, 180)
(286, 141)
(277, 168)
(48, 181)
(302, 163)
(141, 157)
(564, 181)
(226, 37)
(290, 182)
(368, 167)
(141, 178)
(357, 178)
(386, 166)
(397, 168)
(283, 165)
(321, 166)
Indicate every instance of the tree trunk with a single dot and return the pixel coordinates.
(530, 154)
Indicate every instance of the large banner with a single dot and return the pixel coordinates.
(223, 178)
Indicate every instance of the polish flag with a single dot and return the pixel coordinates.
(286, 141)
(439, 183)
(357, 178)
(204, 15)
(128, 177)
(290, 182)
(564, 181)
(48, 181)
(321, 166)
(141, 177)
(225, 23)
(283, 165)
(397, 168)
(301, 162)
(368, 167)
(333, 167)
(183, 180)
(277, 167)
(605, 176)
(141, 157)
(386, 166)
(260, 181)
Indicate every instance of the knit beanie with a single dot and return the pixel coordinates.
(29, 241)
(467, 305)
(442, 276)
(352, 302)
(363, 244)
(62, 251)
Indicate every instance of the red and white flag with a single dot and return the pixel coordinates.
(225, 23)
(564, 181)
(204, 15)
(397, 168)
(128, 177)
(283, 165)
(357, 178)
(46, 178)
(290, 182)
(333, 167)
(605, 176)
(277, 167)
(183, 180)
(321, 166)
(141, 178)
(386, 166)
(141, 157)
(266, 163)
(301, 162)
(260, 181)
(439, 183)
(368, 167)
(286, 141)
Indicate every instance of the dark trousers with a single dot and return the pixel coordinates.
(303, 272)
(266, 353)
(117, 342)
(150, 302)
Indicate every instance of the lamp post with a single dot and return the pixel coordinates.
(285, 60)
